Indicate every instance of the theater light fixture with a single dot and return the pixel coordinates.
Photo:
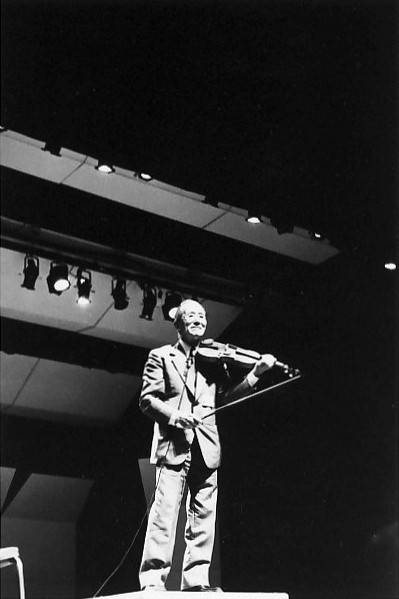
(105, 167)
(172, 302)
(149, 302)
(31, 272)
(121, 301)
(57, 279)
(84, 287)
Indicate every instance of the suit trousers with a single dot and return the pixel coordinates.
(162, 522)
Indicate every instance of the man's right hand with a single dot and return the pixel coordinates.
(184, 420)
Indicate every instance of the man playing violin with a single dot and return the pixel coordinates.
(178, 391)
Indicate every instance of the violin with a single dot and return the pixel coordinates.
(211, 350)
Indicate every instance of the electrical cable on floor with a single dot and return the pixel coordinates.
(131, 544)
(119, 565)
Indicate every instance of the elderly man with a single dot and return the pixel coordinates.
(178, 391)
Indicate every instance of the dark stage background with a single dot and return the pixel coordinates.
(309, 483)
(286, 108)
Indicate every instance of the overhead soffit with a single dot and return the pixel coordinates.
(49, 498)
(65, 393)
(24, 154)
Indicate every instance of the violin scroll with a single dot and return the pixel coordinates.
(288, 369)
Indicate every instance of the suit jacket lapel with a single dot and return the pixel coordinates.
(201, 383)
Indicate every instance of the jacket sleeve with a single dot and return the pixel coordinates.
(235, 392)
(152, 394)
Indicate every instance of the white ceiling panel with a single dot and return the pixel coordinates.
(219, 317)
(6, 476)
(24, 154)
(45, 497)
(297, 245)
(15, 370)
(71, 393)
(148, 196)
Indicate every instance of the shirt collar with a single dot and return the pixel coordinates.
(186, 347)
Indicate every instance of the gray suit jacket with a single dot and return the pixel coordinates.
(162, 392)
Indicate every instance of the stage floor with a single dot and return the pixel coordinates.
(192, 595)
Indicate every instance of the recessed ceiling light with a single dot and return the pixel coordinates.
(253, 217)
(390, 265)
(105, 167)
(315, 235)
(145, 177)
(253, 220)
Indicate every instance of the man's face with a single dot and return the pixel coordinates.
(193, 323)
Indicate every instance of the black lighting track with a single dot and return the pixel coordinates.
(62, 248)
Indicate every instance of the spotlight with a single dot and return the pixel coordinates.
(31, 272)
(172, 302)
(53, 148)
(118, 292)
(149, 302)
(84, 287)
(390, 266)
(253, 217)
(105, 167)
(283, 224)
(57, 279)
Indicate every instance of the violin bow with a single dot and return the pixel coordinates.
(252, 395)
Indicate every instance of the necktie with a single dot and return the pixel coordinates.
(191, 375)
(190, 358)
